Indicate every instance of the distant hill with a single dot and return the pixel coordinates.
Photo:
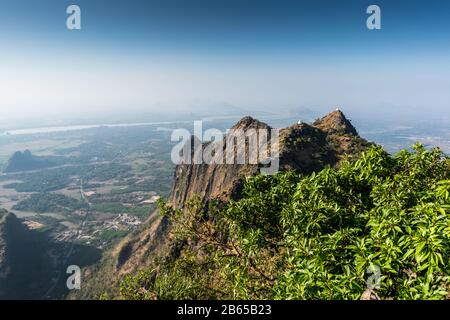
(25, 267)
(32, 265)
(26, 161)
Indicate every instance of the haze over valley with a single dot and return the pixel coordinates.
(356, 107)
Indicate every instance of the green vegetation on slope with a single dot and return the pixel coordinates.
(321, 236)
(3, 214)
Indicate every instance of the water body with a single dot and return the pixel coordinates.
(82, 127)
(29, 131)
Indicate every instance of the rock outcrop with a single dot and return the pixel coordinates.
(302, 147)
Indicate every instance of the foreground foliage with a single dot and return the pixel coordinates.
(378, 226)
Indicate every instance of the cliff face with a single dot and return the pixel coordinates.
(302, 147)
(219, 181)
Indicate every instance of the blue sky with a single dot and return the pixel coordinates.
(141, 54)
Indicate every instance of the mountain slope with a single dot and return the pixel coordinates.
(303, 147)
(25, 266)
(374, 228)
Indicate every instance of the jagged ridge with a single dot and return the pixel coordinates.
(303, 147)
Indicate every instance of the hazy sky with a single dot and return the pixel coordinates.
(153, 55)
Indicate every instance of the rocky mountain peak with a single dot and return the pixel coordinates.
(302, 147)
(250, 123)
(335, 123)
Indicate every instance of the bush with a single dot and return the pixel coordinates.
(379, 226)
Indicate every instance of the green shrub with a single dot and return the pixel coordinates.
(321, 236)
